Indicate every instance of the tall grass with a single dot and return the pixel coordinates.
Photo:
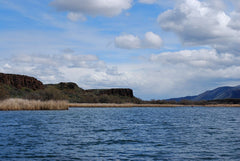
(22, 104)
(121, 105)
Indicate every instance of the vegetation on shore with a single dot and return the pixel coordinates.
(64, 91)
(23, 104)
(230, 101)
(57, 92)
(34, 91)
(123, 105)
(127, 105)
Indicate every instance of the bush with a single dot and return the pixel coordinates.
(49, 93)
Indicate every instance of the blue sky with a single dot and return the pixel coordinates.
(160, 49)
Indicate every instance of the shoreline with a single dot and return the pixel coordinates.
(127, 105)
(21, 104)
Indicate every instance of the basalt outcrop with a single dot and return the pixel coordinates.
(66, 86)
(126, 92)
(20, 81)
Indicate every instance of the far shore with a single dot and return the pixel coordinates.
(23, 104)
(126, 105)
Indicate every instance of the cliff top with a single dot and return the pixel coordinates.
(20, 81)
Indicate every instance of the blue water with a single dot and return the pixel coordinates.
(185, 133)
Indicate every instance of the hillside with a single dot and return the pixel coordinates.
(21, 86)
(215, 94)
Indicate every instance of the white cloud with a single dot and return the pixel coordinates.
(7, 66)
(128, 42)
(207, 59)
(68, 60)
(86, 70)
(76, 16)
(162, 3)
(107, 8)
(148, 1)
(236, 4)
(198, 24)
(151, 40)
(68, 50)
(47, 66)
(218, 4)
(235, 21)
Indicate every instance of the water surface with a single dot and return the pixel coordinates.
(184, 133)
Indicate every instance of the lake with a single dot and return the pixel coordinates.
(183, 133)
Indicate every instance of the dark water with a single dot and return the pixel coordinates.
(121, 134)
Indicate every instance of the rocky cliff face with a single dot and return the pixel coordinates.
(20, 81)
(68, 86)
(115, 91)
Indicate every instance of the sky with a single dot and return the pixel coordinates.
(160, 49)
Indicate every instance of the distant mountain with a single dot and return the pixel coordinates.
(216, 94)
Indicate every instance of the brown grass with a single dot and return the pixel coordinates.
(22, 104)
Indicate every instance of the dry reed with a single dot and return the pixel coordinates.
(23, 104)
(126, 105)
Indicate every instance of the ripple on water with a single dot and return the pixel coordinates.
(121, 134)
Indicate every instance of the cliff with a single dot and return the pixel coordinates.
(73, 93)
(20, 81)
(125, 92)
(66, 86)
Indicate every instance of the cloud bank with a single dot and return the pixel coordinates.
(197, 24)
(158, 76)
(86, 70)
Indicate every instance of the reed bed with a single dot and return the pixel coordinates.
(23, 104)
(127, 105)
(124, 105)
